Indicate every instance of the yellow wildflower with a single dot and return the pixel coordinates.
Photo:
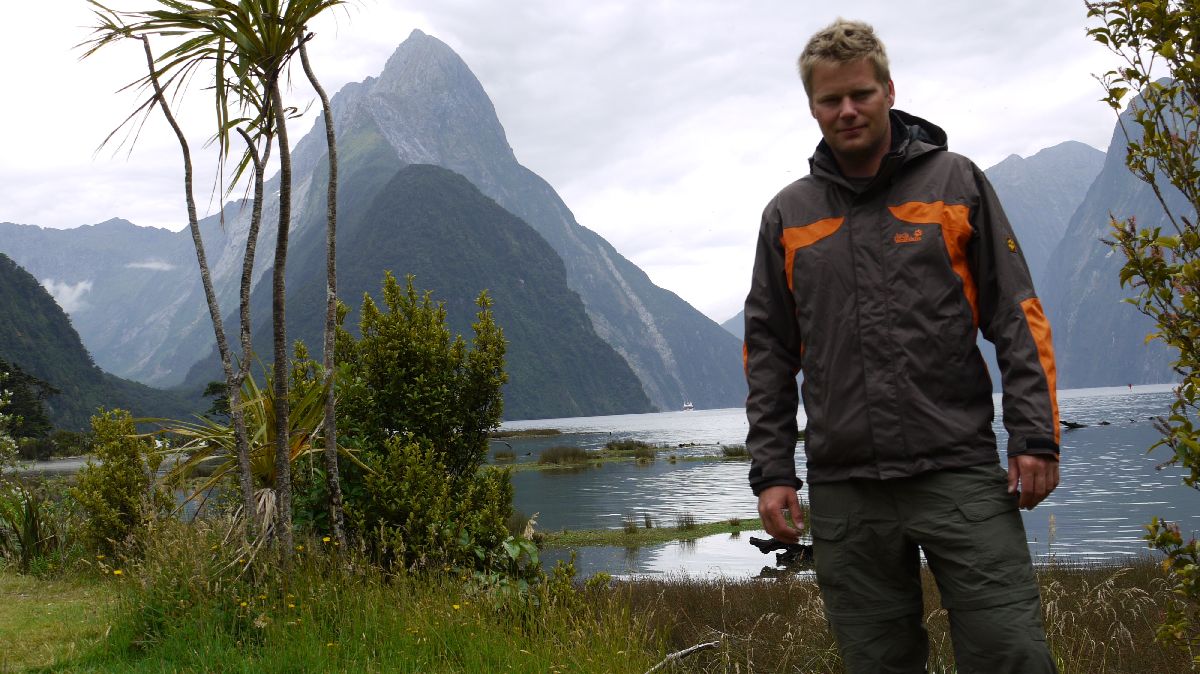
(456, 607)
(117, 572)
(243, 604)
(325, 540)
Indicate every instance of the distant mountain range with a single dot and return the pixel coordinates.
(597, 338)
(37, 337)
(1101, 340)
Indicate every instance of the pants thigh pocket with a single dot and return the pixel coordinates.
(979, 554)
(991, 521)
(828, 534)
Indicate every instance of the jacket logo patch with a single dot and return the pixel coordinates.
(1012, 245)
(906, 237)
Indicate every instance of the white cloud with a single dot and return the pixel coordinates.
(154, 265)
(68, 295)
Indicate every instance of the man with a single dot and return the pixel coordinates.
(873, 275)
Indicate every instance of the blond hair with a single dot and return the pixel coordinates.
(843, 41)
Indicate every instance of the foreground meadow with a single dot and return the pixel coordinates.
(183, 608)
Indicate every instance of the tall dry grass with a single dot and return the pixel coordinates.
(1100, 619)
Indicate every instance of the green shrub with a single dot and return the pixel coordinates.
(644, 453)
(414, 513)
(57, 443)
(505, 455)
(117, 492)
(37, 526)
(419, 402)
(8, 446)
(408, 375)
(562, 455)
(70, 443)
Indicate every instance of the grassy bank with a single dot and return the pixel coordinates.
(1099, 619)
(635, 534)
(526, 433)
(570, 457)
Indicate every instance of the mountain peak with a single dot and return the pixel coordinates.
(421, 52)
(429, 106)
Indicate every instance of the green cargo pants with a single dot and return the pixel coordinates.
(866, 535)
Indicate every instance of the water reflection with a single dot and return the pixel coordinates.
(716, 555)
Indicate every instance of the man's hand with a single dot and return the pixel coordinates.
(772, 501)
(1036, 474)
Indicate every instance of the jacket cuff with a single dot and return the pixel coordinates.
(1037, 446)
(793, 481)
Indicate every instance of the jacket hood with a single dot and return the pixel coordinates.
(912, 137)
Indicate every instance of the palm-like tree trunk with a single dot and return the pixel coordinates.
(239, 417)
(283, 466)
(232, 383)
(331, 458)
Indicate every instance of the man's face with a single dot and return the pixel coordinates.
(851, 107)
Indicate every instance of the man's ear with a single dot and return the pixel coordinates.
(891, 96)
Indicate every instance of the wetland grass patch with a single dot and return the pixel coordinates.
(564, 455)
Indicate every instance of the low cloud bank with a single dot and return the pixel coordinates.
(69, 296)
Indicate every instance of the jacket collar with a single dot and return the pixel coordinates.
(912, 137)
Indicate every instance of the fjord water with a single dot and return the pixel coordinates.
(1110, 486)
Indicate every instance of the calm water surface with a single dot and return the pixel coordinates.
(1110, 486)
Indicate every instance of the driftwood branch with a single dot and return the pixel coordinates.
(679, 655)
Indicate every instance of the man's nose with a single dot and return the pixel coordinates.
(846, 108)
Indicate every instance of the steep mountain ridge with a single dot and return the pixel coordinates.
(37, 336)
(426, 107)
(1100, 339)
(1040, 194)
(434, 224)
(431, 109)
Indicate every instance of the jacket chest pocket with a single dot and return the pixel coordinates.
(929, 279)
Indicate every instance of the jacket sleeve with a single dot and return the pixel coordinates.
(771, 352)
(1011, 317)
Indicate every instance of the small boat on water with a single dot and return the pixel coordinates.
(687, 406)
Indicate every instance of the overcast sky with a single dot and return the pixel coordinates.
(665, 126)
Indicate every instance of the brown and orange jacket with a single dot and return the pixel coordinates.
(877, 292)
